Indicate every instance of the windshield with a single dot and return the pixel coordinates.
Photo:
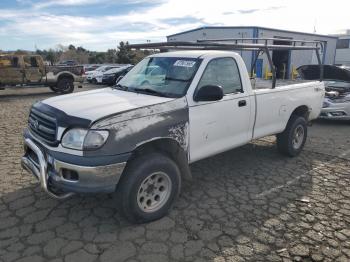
(163, 76)
(115, 70)
(108, 68)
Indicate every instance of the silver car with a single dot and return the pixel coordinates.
(337, 101)
(336, 104)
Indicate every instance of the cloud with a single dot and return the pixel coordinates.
(275, 7)
(48, 23)
(77, 3)
(50, 3)
(181, 20)
(251, 11)
(248, 11)
(229, 13)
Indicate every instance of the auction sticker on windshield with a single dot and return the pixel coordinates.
(184, 63)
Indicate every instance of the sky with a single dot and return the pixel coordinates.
(101, 24)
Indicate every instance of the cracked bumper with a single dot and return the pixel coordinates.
(61, 179)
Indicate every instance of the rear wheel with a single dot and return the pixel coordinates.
(292, 140)
(148, 188)
(65, 85)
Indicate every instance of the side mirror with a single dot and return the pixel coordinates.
(209, 93)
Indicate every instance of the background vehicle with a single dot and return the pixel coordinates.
(95, 76)
(149, 75)
(142, 138)
(110, 77)
(31, 70)
(336, 104)
(88, 68)
(68, 63)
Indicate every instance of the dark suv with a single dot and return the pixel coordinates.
(110, 79)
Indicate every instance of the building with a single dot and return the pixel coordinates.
(343, 49)
(285, 61)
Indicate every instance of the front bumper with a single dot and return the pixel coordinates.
(340, 111)
(98, 79)
(88, 77)
(61, 179)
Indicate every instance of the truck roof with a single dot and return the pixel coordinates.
(193, 53)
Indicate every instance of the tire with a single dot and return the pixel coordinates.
(148, 188)
(54, 89)
(65, 85)
(94, 81)
(292, 140)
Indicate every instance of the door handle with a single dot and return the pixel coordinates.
(242, 103)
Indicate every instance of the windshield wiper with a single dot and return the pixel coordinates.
(121, 87)
(176, 79)
(150, 91)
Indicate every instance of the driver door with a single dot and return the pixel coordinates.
(218, 126)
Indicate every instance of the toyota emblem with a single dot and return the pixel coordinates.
(35, 124)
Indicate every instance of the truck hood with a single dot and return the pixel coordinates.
(331, 72)
(96, 104)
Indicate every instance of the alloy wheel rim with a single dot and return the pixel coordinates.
(67, 86)
(154, 192)
(298, 137)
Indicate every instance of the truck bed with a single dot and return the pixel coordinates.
(77, 70)
(258, 83)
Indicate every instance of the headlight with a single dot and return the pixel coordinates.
(80, 139)
(95, 139)
(74, 139)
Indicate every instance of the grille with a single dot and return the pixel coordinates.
(43, 126)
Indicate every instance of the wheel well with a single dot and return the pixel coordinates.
(302, 111)
(68, 76)
(169, 147)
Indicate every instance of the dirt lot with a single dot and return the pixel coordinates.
(249, 204)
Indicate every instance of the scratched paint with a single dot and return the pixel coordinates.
(180, 134)
(132, 128)
(175, 104)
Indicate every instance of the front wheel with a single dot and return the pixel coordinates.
(292, 140)
(65, 85)
(148, 188)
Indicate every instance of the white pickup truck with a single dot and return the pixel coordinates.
(138, 138)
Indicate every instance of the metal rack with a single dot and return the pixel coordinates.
(240, 44)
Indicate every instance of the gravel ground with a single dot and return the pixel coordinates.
(248, 204)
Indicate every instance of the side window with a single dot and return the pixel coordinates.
(15, 62)
(222, 72)
(30, 61)
(5, 62)
(33, 62)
